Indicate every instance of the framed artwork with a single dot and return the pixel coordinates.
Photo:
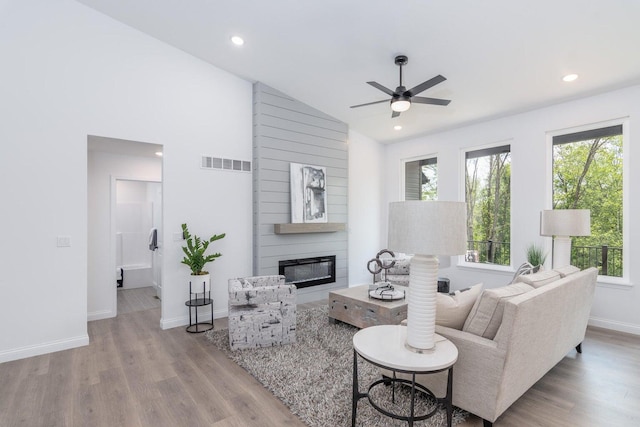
(308, 193)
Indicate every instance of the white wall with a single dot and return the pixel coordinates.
(366, 164)
(69, 72)
(615, 306)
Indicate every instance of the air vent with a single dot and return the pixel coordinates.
(225, 164)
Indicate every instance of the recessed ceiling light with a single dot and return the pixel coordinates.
(159, 153)
(570, 77)
(397, 127)
(237, 40)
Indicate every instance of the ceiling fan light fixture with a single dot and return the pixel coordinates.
(400, 104)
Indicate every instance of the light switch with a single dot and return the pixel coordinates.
(178, 237)
(64, 241)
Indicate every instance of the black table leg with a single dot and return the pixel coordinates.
(356, 397)
(449, 398)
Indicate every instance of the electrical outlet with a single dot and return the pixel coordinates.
(63, 241)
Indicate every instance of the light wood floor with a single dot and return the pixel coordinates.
(137, 299)
(134, 374)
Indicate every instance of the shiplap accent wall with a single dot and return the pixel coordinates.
(287, 131)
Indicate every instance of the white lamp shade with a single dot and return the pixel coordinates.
(428, 227)
(565, 222)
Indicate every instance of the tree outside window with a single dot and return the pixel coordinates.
(421, 179)
(588, 174)
(488, 198)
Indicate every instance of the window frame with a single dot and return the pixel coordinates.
(489, 148)
(623, 281)
(403, 172)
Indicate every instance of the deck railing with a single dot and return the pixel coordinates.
(607, 259)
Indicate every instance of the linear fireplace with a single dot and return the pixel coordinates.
(305, 272)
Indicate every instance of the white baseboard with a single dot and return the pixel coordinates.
(38, 349)
(184, 320)
(101, 314)
(628, 328)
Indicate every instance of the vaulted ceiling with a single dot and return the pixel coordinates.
(499, 56)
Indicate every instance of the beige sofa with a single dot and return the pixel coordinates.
(537, 329)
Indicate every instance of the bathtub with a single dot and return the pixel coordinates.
(136, 275)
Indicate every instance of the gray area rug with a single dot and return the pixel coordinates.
(313, 377)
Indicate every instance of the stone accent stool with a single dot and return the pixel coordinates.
(262, 312)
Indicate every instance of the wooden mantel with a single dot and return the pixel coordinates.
(317, 227)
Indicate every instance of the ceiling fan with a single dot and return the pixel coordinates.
(402, 98)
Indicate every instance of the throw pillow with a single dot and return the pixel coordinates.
(486, 315)
(452, 309)
(566, 270)
(540, 278)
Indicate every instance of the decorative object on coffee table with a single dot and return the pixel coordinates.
(564, 223)
(381, 264)
(425, 229)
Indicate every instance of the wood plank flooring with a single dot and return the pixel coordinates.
(137, 299)
(134, 374)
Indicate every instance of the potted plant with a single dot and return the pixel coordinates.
(536, 257)
(196, 259)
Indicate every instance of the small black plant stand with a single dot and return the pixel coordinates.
(195, 303)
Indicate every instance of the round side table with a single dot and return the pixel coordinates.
(384, 346)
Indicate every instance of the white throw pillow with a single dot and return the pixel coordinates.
(566, 270)
(486, 315)
(452, 310)
(540, 278)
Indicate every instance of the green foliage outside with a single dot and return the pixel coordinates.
(588, 175)
(195, 249)
(488, 197)
(429, 184)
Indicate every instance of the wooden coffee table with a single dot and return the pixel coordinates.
(355, 307)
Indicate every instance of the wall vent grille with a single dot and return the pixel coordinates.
(209, 162)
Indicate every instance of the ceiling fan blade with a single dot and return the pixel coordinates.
(426, 85)
(382, 88)
(369, 103)
(433, 101)
(395, 114)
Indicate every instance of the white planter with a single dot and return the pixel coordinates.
(200, 283)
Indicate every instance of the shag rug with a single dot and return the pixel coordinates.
(313, 377)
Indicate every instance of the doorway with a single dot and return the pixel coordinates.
(138, 219)
(137, 168)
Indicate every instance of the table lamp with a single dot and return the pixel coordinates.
(564, 223)
(425, 229)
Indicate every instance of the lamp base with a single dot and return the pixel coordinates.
(561, 251)
(419, 350)
(421, 309)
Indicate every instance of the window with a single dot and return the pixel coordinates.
(588, 174)
(421, 179)
(488, 197)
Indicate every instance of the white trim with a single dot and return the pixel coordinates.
(43, 348)
(614, 325)
(100, 314)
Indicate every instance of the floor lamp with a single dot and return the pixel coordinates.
(564, 223)
(426, 229)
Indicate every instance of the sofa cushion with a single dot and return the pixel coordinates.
(540, 278)
(486, 315)
(453, 309)
(566, 270)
